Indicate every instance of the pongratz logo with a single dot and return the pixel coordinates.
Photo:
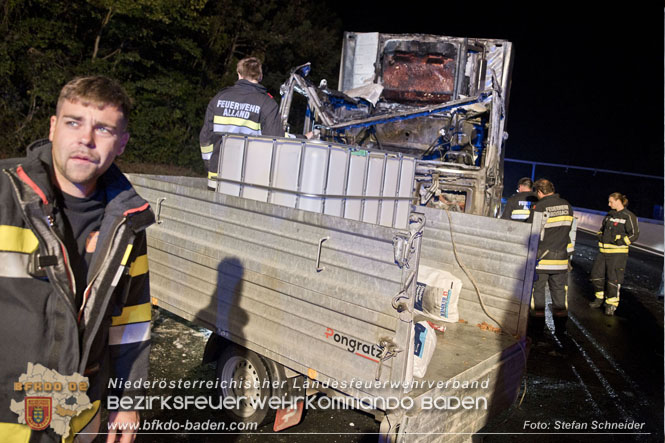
(355, 346)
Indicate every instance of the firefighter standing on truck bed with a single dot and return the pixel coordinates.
(518, 206)
(244, 108)
(554, 251)
(618, 231)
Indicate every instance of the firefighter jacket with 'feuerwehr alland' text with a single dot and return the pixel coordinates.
(244, 108)
(555, 245)
(40, 322)
(618, 231)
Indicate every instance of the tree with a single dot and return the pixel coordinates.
(171, 55)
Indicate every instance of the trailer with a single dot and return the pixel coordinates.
(302, 301)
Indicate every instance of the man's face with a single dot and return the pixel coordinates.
(86, 139)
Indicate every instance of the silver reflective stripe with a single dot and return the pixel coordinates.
(206, 156)
(557, 224)
(131, 333)
(14, 265)
(235, 129)
(552, 267)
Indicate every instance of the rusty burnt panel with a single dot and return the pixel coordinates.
(419, 72)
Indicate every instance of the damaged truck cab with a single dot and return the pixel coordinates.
(442, 99)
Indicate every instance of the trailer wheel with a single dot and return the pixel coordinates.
(244, 376)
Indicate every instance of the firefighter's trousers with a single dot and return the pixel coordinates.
(607, 276)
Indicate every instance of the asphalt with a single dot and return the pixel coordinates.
(600, 381)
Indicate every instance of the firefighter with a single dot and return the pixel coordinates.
(518, 206)
(618, 231)
(74, 279)
(244, 108)
(553, 256)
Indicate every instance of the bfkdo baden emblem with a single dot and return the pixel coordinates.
(38, 412)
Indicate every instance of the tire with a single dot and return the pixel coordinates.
(242, 375)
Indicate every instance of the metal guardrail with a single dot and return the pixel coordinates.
(581, 168)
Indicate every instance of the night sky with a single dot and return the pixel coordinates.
(586, 86)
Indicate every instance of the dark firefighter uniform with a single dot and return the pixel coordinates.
(244, 108)
(618, 231)
(107, 334)
(554, 250)
(519, 206)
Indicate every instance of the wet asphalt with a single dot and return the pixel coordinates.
(602, 381)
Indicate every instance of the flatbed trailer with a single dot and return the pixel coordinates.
(308, 299)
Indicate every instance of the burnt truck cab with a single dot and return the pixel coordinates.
(443, 99)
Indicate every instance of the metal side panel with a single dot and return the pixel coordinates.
(310, 291)
(500, 256)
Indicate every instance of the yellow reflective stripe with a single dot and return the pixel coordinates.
(609, 248)
(553, 262)
(617, 237)
(206, 149)
(126, 256)
(612, 301)
(235, 121)
(14, 433)
(615, 251)
(79, 422)
(522, 211)
(15, 239)
(133, 314)
(139, 266)
(560, 218)
(626, 240)
(600, 294)
(212, 174)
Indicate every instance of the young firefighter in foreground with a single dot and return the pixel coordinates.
(75, 306)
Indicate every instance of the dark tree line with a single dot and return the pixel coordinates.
(171, 55)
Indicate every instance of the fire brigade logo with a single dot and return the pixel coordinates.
(38, 412)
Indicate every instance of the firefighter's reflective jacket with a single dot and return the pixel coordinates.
(244, 108)
(519, 206)
(618, 231)
(40, 322)
(555, 246)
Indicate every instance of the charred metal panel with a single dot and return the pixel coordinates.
(358, 57)
(410, 136)
(419, 72)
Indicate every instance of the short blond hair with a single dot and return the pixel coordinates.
(97, 90)
(250, 69)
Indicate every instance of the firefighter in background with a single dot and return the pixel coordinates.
(618, 231)
(518, 206)
(554, 251)
(244, 108)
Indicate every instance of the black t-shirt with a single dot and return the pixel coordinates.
(82, 219)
